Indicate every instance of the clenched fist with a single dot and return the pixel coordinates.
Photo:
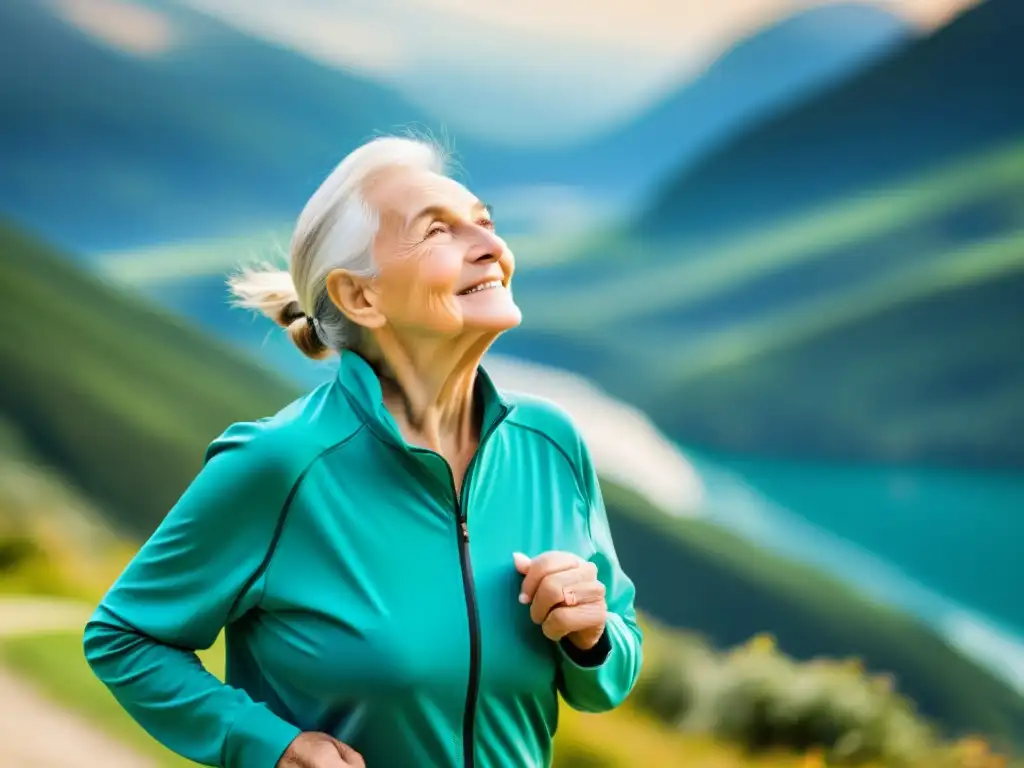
(318, 750)
(565, 597)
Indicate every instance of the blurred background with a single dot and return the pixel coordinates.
(771, 258)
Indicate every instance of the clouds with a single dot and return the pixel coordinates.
(341, 33)
(130, 28)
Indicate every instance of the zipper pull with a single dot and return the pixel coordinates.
(465, 531)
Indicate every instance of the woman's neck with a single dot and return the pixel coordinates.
(429, 389)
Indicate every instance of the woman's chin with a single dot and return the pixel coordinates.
(497, 313)
(495, 323)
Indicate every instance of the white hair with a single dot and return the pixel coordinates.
(336, 229)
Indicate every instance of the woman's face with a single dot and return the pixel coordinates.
(442, 269)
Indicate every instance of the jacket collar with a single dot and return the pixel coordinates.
(362, 389)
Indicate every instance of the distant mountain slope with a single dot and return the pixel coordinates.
(774, 67)
(937, 99)
(223, 132)
(123, 399)
(100, 147)
(930, 369)
(884, 328)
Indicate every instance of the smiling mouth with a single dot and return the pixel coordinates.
(482, 287)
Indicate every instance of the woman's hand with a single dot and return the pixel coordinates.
(565, 597)
(318, 750)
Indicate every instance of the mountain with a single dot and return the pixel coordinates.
(840, 282)
(781, 64)
(885, 330)
(217, 132)
(894, 331)
(928, 103)
(222, 132)
(122, 399)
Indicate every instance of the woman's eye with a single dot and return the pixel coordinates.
(437, 228)
(486, 224)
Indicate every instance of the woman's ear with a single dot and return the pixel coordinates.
(355, 298)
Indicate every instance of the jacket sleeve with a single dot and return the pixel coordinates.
(201, 569)
(600, 679)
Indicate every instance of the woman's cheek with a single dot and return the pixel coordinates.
(444, 312)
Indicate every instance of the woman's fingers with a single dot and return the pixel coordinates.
(351, 758)
(541, 567)
(570, 588)
(565, 620)
(564, 593)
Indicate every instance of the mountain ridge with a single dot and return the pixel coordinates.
(890, 120)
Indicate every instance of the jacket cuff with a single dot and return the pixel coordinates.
(590, 658)
(258, 739)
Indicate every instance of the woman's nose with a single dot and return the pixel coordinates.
(489, 247)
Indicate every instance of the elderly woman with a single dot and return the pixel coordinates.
(409, 565)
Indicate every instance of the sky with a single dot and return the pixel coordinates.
(493, 67)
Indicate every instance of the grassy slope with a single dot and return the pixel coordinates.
(53, 541)
(82, 359)
(151, 393)
(930, 367)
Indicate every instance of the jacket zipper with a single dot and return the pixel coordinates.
(473, 614)
(472, 609)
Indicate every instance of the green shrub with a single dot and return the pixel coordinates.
(673, 676)
(16, 551)
(762, 700)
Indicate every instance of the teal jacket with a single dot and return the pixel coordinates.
(360, 597)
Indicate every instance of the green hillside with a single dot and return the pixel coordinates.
(878, 327)
(924, 364)
(123, 399)
(115, 394)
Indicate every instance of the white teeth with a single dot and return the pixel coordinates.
(481, 287)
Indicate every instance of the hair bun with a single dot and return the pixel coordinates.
(289, 313)
(303, 333)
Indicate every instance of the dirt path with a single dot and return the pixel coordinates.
(33, 615)
(35, 732)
